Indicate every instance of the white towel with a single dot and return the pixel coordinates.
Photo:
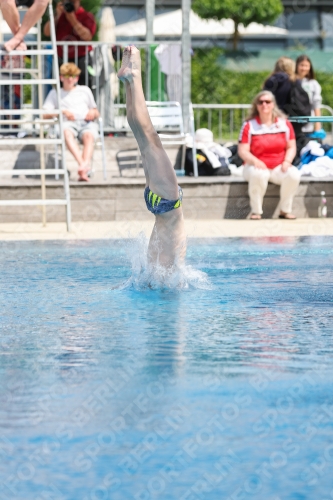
(321, 167)
(314, 147)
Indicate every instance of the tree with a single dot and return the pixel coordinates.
(240, 11)
(92, 6)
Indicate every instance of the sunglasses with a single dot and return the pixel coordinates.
(69, 76)
(264, 101)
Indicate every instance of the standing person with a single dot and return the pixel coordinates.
(267, 146)
(79, 111)
(306, 74)
(74, 24)
(36, 9)
(163, 196)
(280, 82)
(290, 96)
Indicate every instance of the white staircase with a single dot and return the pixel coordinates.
(36, 117)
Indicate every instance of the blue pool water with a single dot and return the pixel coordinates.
(221, 390)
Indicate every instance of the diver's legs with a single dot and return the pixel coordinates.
(158, 168)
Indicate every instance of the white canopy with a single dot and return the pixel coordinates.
(170, 25)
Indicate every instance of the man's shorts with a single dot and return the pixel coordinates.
(79, 127)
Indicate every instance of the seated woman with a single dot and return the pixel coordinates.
(163, 196)
(267, 146)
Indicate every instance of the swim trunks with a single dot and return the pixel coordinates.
(158, 205)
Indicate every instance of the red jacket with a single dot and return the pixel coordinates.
(65, 32)
(269, 144)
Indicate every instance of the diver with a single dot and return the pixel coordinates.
(163, 196)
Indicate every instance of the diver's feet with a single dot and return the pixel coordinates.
(15, 44)
(131, 64)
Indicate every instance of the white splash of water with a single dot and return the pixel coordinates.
(145, 276)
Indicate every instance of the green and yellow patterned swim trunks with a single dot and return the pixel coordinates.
(158, 205)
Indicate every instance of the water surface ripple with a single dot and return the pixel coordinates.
(217, 392)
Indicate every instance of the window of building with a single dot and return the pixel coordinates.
(301, 21)
(327, 23)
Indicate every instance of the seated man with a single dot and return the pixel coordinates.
(12, 18)
(79, 111)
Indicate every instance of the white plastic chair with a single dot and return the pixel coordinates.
(167, 119)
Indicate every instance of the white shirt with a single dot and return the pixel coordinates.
(78, 101)
(170, 59)
(313, 89)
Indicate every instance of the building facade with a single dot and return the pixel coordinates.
(309, 23)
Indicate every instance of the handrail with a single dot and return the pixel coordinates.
(121, 43)
(221, 106)
(210, 108)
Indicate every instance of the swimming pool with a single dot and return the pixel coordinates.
(211, 392)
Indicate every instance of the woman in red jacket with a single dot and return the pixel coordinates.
(267, 146)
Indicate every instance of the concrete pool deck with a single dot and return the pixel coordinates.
(195, 229)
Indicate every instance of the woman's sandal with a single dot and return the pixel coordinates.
(287, 216)
(255, 216)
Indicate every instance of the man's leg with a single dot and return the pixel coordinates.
(30, 19)
(88, 141)
(162, 177)
(132, 124)
(74, 148)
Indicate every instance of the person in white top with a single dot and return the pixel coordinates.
(36, 9)
(79, 111)
(305, 72)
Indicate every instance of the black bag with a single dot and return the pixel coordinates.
(235, 159)
(298, 102)
(204, 166)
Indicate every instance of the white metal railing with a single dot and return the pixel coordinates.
(226, 119)
(99, 63)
